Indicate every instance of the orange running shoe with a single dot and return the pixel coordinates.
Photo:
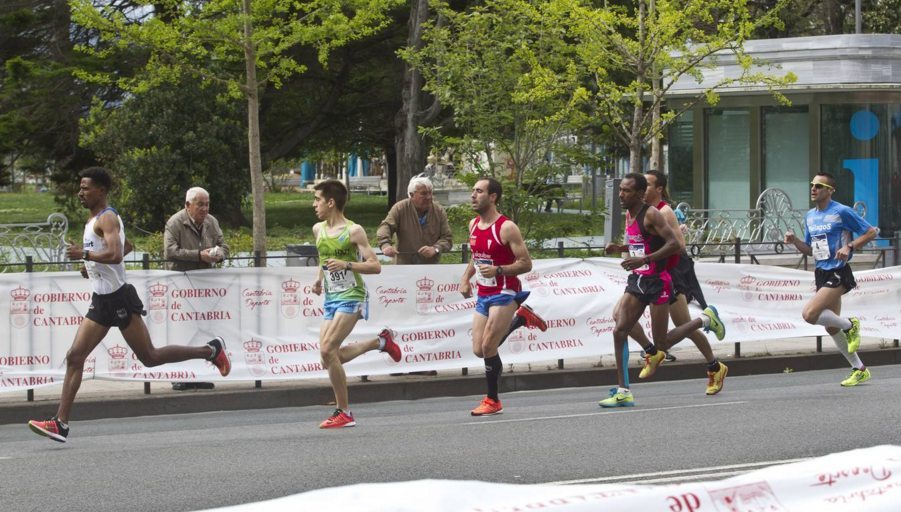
(488, 407)
(390, 347)
(533, 321)
(339, 419)
(51, 428)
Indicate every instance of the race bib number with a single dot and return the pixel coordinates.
(820, 246)
(482, 280)
(339, 280)
(637, 251)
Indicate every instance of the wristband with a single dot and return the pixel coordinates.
(499, 270)
(85, 255)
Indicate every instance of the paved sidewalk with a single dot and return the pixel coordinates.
(110, 399)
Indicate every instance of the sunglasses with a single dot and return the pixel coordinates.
(820, 186)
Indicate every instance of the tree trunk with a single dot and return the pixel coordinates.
(635, 139)
(656, 162)
(257, 184)
(391, 162)
(408, 144)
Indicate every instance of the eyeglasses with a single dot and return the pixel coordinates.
(819, 186)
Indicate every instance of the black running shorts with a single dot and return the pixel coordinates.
(653, 289)
(835, 278)
(115, 309)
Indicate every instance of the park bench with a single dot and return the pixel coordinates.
(42, 241)
(368, 184)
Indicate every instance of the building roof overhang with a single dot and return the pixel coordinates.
(843, 63)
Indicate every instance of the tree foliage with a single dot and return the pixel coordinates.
(166, 140)
(634, 53)
(828, 17)
(507, 72)
(242, 46)
(41, 102)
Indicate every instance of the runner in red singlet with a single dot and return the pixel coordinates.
(499, 255)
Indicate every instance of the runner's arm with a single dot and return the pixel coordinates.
(370, 263)
(511, 236)
(659, 225)
(107, 226)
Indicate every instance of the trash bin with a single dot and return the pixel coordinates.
(304, 255)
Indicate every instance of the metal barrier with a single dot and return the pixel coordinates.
(736, 247)
(759, 229)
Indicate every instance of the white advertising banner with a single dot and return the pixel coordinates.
(867, 479)
(271, 321)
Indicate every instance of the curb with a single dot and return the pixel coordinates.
(369, 392)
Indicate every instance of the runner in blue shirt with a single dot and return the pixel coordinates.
(828, 237)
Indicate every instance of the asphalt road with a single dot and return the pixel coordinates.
(675, 433)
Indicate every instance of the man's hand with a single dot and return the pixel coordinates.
(334, 265)
(74, 252)
(466, 289)
(84, 271)
(317, 287)
(389, 251)
(487, 271)
(633, 263)
(613, 249)
(427, 251)
(790, 237)
(206, 257)
(843, 253)
(217, 254)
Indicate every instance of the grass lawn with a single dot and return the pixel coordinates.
(17, 208)
(290, 217)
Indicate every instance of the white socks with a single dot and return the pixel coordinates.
(841, 342)
(829, 319)
(705, 321)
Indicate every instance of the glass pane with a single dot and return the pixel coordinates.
(728, 159)
(786, 145)
(681, 164)
(856, 142)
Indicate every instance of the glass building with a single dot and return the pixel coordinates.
(844, 118)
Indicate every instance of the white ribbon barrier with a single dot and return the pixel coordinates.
(867, 479)
(271, 321)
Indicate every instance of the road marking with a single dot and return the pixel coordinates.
(620, 411)
(663, 476)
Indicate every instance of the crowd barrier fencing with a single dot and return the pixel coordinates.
(575, 295)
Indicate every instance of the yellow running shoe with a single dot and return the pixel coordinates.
(651, 363)
(618, 399)
(853, 336)
(715, 379)
(716, 324)
(856, 377)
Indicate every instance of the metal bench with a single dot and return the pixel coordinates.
(762, 229)
(368, 184)
(42, 241)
